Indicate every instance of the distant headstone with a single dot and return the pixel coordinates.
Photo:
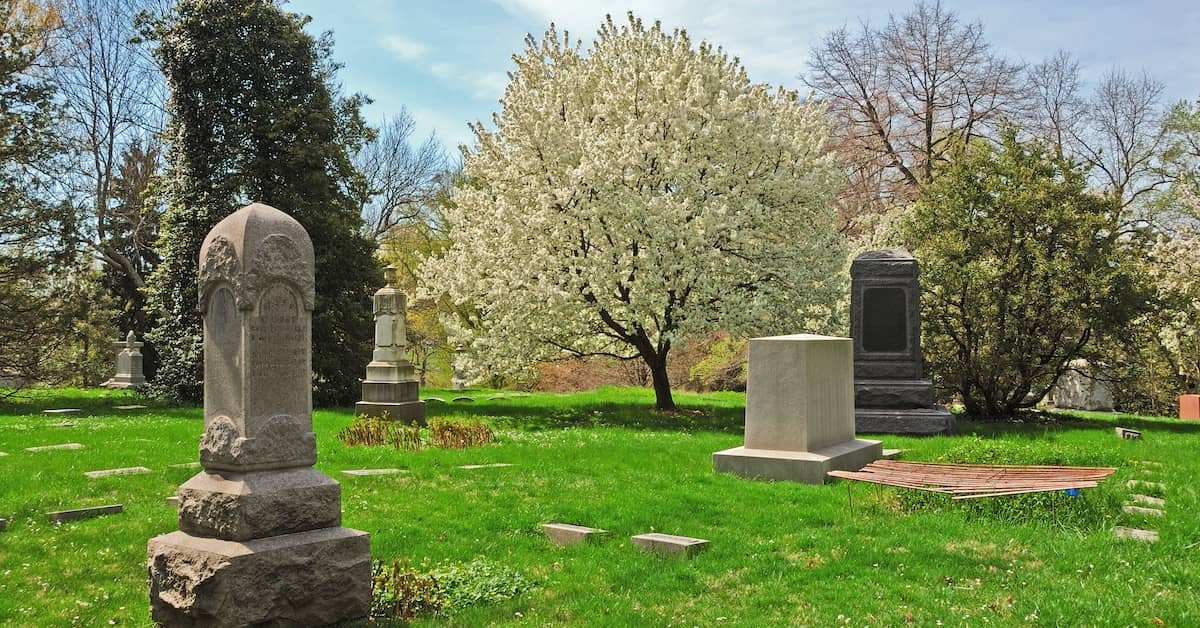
(458, 376)
(65, 516)
(129, 407)
(107, 473)
(260, 540)
(799, 412)
(890, 394)
(568, 534)
(392, 387)
(1082, 387)
(129, 364)
(1128, 434)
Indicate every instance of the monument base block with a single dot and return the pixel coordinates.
(403, 411)
(122, 383)
(911, 421)
(797, 466)
(305, 579)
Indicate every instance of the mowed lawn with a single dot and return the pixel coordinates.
(781, 554)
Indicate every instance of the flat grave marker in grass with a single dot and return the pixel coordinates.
(1149, 501)
(185, 465)
(2, 454)
(370, 472)
(494, 465)
(104, 473)
(1128, 434)
(1140, 484)
(132, 407)
(62, 411)
(562, 534)
(64, 516)
(54, 447)
(464, 400)
(1135, 534)
(1139, 511)
(669, 544)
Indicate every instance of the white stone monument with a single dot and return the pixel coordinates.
(260, 540)
(799, 412)
(391, 388)
(129, 364)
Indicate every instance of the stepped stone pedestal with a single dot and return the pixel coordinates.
(129, 364)
(391, 388)
(891, 395)
(799, 412)
(260, 540)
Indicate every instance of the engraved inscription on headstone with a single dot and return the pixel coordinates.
(885, 320)
(278, 355)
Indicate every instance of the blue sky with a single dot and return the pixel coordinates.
(447, 61)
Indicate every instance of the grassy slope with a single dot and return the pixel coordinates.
(781, 553)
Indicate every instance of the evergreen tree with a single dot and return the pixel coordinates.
(253, 118)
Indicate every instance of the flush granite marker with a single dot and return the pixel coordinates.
(799, 412)
(392, 387)
(260, 540)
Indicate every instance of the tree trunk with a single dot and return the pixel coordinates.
(662, 383)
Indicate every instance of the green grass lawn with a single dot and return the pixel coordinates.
(781, 554)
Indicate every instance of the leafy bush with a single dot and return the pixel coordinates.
(478, 582)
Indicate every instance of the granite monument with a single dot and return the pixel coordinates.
(129, 364)
(391, 388)
(260, 540)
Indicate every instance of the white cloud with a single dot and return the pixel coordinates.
(404, 48)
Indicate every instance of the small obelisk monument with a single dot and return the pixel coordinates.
(391, 387)
(260, 540)
(129, 364)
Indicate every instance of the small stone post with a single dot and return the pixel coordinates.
(129, 364)
(260, 540)
(392, 387)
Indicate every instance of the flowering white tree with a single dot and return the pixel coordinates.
(634, 197)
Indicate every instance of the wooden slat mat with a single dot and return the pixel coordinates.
(972, 481)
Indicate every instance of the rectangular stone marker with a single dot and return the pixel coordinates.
(62, 411)
(892, 454)
(1149, 501)
(1139, 484)
(1138, 511)
(1128, 434)
(260, 538)
(1146, 536)
(185, 465)
(129, 364)
(63, 516)
(129, 407)
(472, 467)
(173, 501)
(669, 544)
(368, 472)
(111, 472)
(55, 447)
(567, 534)
(799, 412)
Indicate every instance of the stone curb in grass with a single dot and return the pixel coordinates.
(55, 447)
(104, 473)
(64, 516)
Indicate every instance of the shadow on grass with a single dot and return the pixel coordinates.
(1043, 422)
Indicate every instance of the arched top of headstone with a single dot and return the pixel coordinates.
(253, 246)
(884, 262)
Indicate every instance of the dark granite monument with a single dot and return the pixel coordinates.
(890, 394)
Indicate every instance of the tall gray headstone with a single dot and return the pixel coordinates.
(129, 364)
(391, 388)
(891, 395)
(260, 540)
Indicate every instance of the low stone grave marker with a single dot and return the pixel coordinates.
(562, 534)
(2, 454)
(370, 472)
(1128, 434)
(134, 407)
(173, 501)
(55, 447)
(64, 516)
(1146, 536)
(669, 544)
(185, 465)
(62, 411)
(464, 400)
(892, 454)
(1149, 501)
(435, 400)
(104, 473)
(1139, 511)
(1139, 484)
(472, 467)
(64, 424)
